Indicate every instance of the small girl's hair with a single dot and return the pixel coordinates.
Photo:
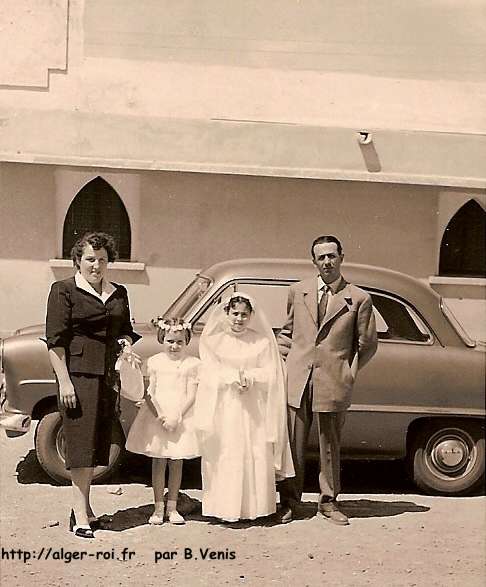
(236, 299)
(165, 325)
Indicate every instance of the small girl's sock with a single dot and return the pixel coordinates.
(159, 508)
(171, 505)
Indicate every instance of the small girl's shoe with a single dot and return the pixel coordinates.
(176, 518)
(173, 515)
(157, 518)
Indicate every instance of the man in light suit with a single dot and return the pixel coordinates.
(329, 334)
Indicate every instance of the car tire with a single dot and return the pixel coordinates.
(447, 456)
(50, 454)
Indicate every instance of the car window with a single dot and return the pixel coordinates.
(398, 322)
(271, 298)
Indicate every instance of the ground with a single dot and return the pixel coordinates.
(396, 537)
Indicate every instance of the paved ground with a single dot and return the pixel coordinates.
(396, 537)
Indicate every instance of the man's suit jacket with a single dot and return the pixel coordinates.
(326, 353)
(86, 327)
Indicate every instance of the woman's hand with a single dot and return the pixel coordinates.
(66, 394)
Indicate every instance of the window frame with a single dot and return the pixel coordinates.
(413, 312)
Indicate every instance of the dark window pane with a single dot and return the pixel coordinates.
(97, 207)
(463, 247)
(394, 321)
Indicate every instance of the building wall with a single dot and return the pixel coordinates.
(263, 88)
(185, 221)
(272, 92)
(198, 219)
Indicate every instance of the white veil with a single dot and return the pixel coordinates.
(276, 397)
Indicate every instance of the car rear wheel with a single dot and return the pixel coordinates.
(447, 456)
(50, 449)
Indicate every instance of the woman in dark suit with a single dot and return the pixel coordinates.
(88, 323)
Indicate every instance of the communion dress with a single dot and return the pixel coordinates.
(238, 470)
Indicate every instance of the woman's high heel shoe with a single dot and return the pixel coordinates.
(94, 522)
(79, 531)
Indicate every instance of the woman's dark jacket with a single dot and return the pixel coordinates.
(86, 327)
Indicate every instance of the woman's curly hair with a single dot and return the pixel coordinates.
(98, 240)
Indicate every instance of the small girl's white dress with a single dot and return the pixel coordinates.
(169, 381)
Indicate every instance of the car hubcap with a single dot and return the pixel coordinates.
(450, 453)
(61, 445)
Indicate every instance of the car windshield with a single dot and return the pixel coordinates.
(193, 292)
(449, 314)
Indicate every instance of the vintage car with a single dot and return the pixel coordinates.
(420, 398)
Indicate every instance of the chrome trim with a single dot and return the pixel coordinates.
(417, 410)
(402, 341)
(15, 422)
(33, 381)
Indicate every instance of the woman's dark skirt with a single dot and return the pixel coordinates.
(87, 427)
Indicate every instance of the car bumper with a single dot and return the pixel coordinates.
(14, 422)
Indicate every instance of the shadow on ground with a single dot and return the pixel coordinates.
(358, 477)
(191, 509)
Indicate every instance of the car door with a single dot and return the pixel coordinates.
(402, 381)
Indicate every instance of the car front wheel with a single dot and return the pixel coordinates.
(50, 449)
(447, 456)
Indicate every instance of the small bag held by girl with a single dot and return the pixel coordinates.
(131, 378)
(164, 428)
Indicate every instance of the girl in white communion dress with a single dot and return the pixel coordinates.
(241, 413)
(164, 428)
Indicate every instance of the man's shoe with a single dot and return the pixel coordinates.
(286, 515)
(330, 512)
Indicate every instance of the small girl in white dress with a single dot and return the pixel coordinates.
(163, 428)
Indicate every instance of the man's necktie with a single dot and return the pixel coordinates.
(321, 309)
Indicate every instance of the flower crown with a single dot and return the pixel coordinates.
(161, 323)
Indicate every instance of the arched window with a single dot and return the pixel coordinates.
(463, 250)
(98, 207)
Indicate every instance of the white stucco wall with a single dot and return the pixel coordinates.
(271, 88)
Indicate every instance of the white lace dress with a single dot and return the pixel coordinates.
(237, 460)
(169, 381)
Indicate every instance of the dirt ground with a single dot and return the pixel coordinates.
(396, 537)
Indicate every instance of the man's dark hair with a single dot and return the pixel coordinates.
(326, 238)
